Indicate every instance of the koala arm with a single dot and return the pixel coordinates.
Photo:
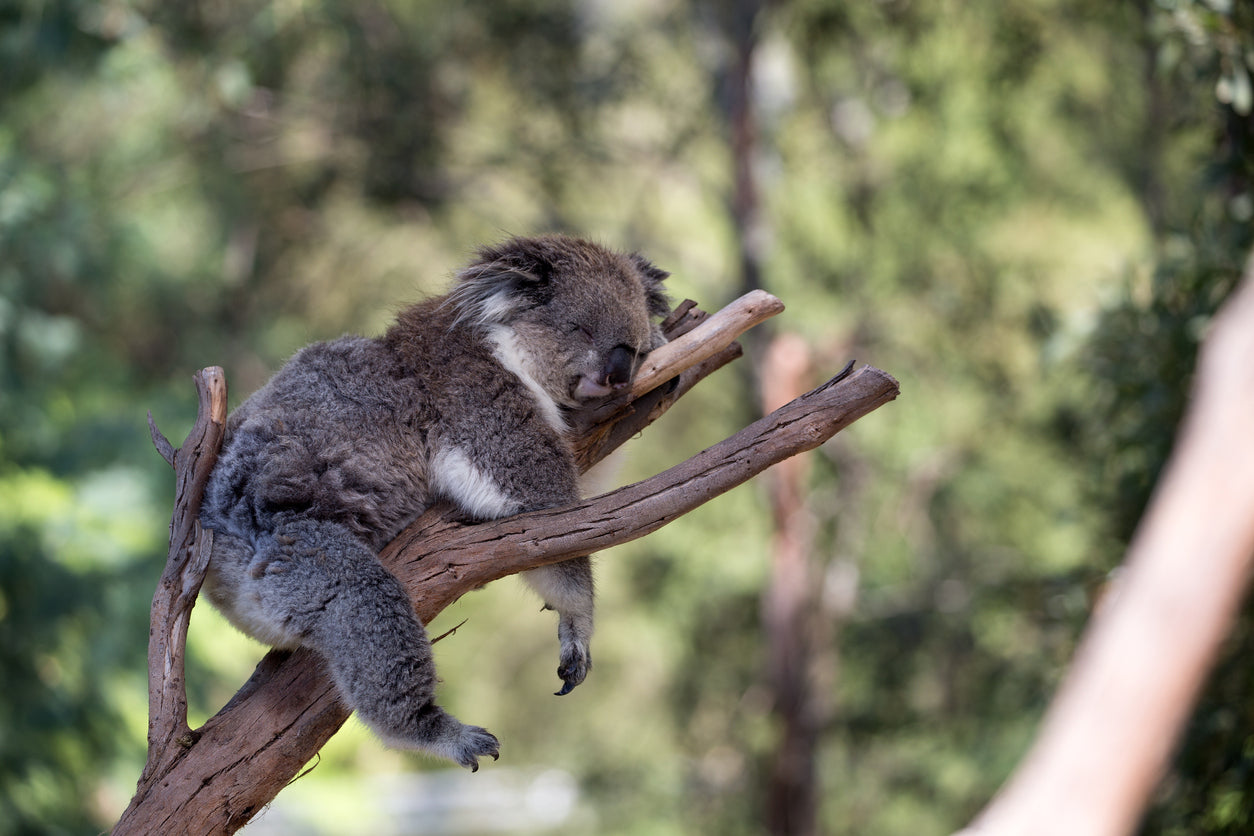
(489, 477)
(566, 587)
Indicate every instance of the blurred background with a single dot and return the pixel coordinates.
(1025, 210)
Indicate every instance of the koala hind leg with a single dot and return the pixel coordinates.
(567, 588)
(327, 587)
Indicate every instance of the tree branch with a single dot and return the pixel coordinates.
(185, 568)
(287, 710)
(716, 334)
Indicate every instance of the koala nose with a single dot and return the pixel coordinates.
(618, 368)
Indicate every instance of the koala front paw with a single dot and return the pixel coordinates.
(576, 657)
(473, 743)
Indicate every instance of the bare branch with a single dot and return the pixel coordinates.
(163, 445)
(186, 561)
(439, 561)
(706, 340)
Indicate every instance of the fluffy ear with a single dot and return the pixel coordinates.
(653, 276)
(502, 281)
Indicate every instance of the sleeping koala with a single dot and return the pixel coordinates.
(463, 399)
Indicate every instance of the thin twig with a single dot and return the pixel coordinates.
(450, 631)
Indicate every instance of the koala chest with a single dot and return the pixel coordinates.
(505, 451)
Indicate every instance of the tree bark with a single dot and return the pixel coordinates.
(216, 778)
(186, 561)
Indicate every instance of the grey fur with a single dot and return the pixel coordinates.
(464, 398)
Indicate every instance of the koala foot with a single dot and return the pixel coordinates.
(474, 742)
(576, 657)
(567, 588)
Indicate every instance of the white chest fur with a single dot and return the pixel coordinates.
(508, 349)
(455, 476)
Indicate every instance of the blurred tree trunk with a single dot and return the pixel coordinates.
(788, 610)
(740, 22)
(777, 374)
(1111, 729)
(1156, 122)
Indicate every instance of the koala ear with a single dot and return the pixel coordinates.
(530, 261)
(502, 281)
(652, 277)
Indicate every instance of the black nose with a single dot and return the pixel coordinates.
(617, 369)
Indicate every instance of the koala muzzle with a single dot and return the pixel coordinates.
(615, 373)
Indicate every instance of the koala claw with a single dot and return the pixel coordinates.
(573, 670)
(477, 741)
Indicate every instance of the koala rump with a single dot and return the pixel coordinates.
(463, 399)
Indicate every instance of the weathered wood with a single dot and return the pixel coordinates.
(185, 569)
(715, 334)
(438, 560)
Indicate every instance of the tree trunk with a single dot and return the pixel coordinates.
(788, 609)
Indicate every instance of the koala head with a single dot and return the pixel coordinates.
(575, 317)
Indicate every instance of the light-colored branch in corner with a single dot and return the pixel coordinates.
(1108, 737)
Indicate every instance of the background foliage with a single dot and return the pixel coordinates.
(1027, 210)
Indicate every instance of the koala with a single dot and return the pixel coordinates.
(465, 398)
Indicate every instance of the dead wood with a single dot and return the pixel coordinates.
(185, 568)
(215, 779)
